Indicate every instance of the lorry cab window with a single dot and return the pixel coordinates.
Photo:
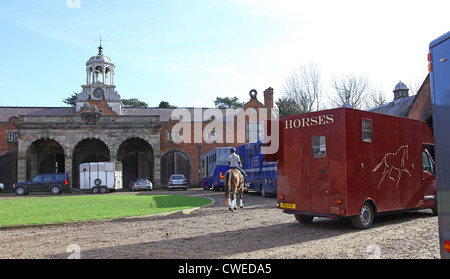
(427, 163)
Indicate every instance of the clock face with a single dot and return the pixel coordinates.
(98, 92)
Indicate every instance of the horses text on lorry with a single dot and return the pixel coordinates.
(350, 163)
(439, 58)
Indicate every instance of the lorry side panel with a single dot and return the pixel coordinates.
(440, 92)
(359, 160)
(351, 157)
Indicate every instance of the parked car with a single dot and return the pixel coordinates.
(2, 187)
(141, 184)
(177, 181)
(47, 182)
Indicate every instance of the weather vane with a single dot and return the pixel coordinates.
(101, 40)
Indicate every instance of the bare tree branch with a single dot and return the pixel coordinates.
(350, 89)
(303, 87)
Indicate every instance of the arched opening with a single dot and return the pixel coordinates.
(88, 150)
(136, 156)
(45, 156)
(175, 162)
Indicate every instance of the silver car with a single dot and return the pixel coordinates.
(141, 184)
(177, 181)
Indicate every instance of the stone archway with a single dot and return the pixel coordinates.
(175, 162)
(45, 156)
(136, 155)
(88, 150)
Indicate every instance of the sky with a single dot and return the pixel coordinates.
(188, 52)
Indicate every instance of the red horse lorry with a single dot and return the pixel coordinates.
(351, 163)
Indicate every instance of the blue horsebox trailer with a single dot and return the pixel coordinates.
(261, 175)
(439, 67)
(214, 165)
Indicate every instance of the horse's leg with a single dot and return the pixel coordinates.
(385, 171)
(234, 198)
(241, 201)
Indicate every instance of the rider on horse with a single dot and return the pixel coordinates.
(235, 162)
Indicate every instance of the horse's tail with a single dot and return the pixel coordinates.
(226, 188)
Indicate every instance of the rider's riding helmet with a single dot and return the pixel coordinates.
(233, 150)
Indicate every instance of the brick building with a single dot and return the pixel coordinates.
(99, 128)
(416, 107)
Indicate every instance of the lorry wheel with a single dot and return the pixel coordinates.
(95, 190)
(103, 190)
(365, 219)
(304, 219)
(97, 182)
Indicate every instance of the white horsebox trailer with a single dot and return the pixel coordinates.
(101, 177)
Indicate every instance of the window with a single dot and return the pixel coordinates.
(60, 177)
(367, 130)
(47, 178)
(254, 130)
(12, 137)
(427, 163)
(176, 135)
(37, 178)
(319, 149)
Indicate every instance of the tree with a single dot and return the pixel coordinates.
(71, 100)
(228, 102)
(287, 106)
(165, 104)
(376, 98)
(133, 103)
(303, 87)
(350, 89)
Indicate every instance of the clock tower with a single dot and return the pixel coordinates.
(99, 84)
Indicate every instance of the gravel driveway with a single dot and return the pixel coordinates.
(258, 231)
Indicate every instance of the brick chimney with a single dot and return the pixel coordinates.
(268, 98)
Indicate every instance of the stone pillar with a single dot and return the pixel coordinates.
(21, 167)
(157, 168)
(68, 169)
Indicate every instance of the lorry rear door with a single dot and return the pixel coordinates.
(320, 178)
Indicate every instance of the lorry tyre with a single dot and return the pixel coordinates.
(304, 219)
(97, 182)
(103, 190)
(95, 190)
(365, 219)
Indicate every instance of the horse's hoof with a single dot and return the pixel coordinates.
(241, 206)
(235, 208)
(230, 208)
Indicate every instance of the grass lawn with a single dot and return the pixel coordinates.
(43, 210)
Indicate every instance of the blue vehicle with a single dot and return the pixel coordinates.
(214, 165)
(261, 175)
(439, 67)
